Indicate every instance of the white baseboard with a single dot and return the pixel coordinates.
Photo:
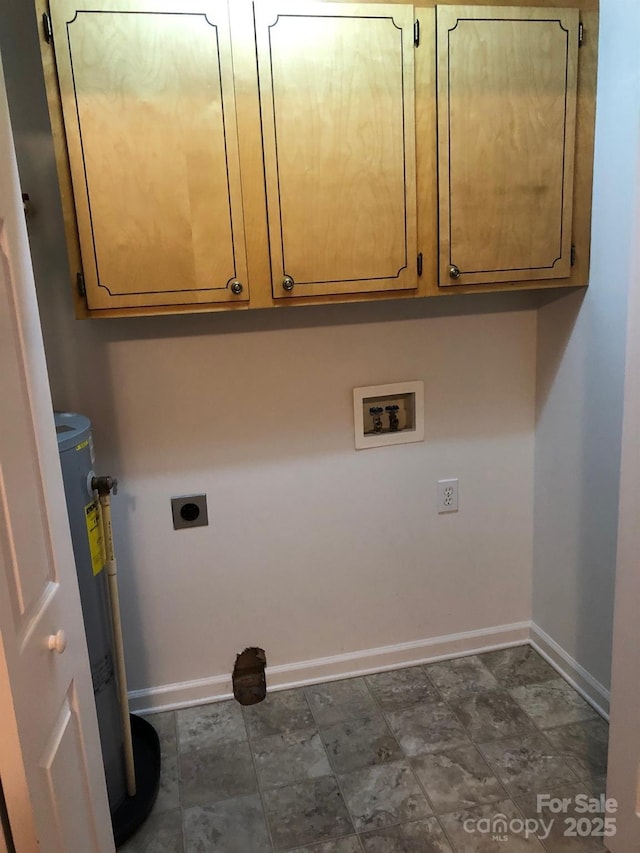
(201, 691)
(182, 694)
(587, 686)
(204, 690)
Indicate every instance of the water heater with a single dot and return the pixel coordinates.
(75, 445)
(130, 804)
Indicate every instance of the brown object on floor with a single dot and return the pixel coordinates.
(249, 680)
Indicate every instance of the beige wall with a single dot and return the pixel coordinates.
(313, 549)
(580, 377)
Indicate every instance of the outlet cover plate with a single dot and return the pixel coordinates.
(189, 511)
(448, 495)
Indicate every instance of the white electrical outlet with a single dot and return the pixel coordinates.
(447, 496)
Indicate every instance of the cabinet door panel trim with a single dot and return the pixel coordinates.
(275, 123)
(404, 147)
(194, 201)
(454, 177)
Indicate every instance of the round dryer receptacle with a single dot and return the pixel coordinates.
(190, 512)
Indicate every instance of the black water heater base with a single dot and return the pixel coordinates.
(133, 811)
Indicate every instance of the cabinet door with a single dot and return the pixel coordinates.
(149, 111)
(506, 133)
(337, 99)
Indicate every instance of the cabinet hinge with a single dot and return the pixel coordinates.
(416, 33)
(580, 34)
(419, 264)
(573, 255)
(82, 290)
(47, 29)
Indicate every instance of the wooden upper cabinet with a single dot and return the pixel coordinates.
(337, 102)
(506, 139)
(149, 111)
(221, 154)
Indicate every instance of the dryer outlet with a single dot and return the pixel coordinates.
(189, 511)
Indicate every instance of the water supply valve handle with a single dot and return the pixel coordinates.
(105, 485)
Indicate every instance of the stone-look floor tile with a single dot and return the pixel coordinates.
(518, 666)
(584, 745)
(210, 762)
(231, 826)
(491, 715)
(596, 785)
(340, 845)
(420, 836)
(338, 701)
(306, 812)
(207, 725)
(280, 712)
(290, 757)
(558, 829)
(469, 836)
(169, 790)
(401, 688)
(165, 726)
(383, 795)
(360, 743)
(457, 779)
(527, 765)
(461, 676)
(426, 728)
(217, 773)
(161, 833)
(554, 703)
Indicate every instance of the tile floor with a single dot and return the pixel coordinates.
(389, 763)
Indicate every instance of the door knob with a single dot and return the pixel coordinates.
(57, 642)
(288, 283)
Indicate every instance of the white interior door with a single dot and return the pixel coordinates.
(619, 161)
(623, 778)
(50, 762)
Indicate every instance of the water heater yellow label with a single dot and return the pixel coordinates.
(94, 535)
